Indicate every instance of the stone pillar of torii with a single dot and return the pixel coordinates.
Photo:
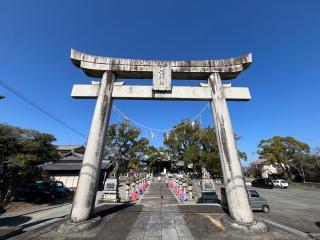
(162, 72)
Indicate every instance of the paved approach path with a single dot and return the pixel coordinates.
(160, 217)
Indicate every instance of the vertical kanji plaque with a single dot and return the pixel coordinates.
(161, 78)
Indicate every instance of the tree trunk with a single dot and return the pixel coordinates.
(303, 175)
(2, 210)
(284, 170)
(8, 195)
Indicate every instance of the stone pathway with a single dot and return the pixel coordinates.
(160, 217)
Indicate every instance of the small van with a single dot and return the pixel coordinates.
(280, 183)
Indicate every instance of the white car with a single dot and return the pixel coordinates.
(280, 183)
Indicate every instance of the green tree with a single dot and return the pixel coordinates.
(210, 153)
(153, 155)
(125, 146)
(253, 170)
(185, 135)
(183, 143)
(286, 152)
(307, 165)
(21, 152)
(193, 145)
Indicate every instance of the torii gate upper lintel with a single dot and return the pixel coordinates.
(162, 72)
(95, 66)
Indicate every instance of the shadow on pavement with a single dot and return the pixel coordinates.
(36, 222)
(14, 221)
(55, 201)
(107, 210)
(20, 214)
(20, 220)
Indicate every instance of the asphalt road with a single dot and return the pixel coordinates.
(298, 208)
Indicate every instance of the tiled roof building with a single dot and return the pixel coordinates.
(68, 167)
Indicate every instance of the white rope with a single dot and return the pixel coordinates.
(154, 130)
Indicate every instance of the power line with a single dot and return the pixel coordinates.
(154, 129)
(45, 112)
(66, 125)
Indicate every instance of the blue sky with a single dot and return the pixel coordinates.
(283, 36)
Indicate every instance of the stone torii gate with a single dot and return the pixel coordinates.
(162, 72)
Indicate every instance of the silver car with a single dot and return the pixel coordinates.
(257, 202)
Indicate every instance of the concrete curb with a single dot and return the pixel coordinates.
(315, 236)
(200, 204)
(43, 224)
(140, 198)
(286, 228)
(40, 230)
(179, 201)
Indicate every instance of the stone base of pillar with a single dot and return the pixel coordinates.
(255, 227)
(110, 198)
(76, 227)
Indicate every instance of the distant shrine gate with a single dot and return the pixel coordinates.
(162, 72)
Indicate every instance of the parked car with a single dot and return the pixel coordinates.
(257, 202)
(41, 190)
(280, 183)
(262, 182)
(60, 190)
(38, 191)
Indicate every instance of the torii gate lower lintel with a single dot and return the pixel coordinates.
(108, 69)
